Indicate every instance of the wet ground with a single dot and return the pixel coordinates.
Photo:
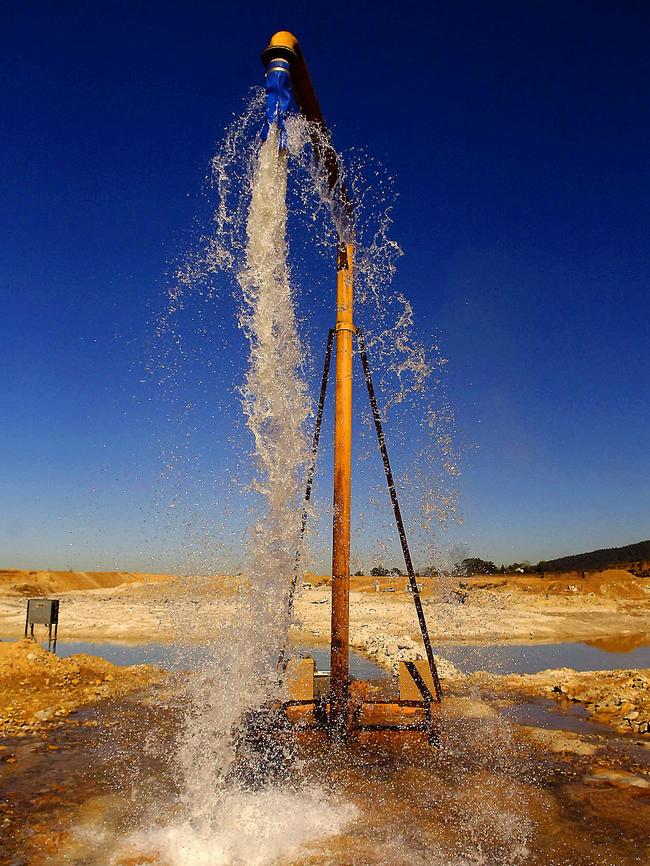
(104, 790)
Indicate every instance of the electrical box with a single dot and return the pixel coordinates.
(42, 611)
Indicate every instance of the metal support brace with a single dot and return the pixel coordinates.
(398, 516)
(394, 500)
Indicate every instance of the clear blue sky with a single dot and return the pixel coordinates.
(518, 134)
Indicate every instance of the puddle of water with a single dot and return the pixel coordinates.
(182, 658)
(531, 658)
(547, 713)
(512, 658)
(573, 717)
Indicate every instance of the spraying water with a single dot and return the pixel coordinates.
(241, 673)
(248, 240)
(276, 398)
(219, 823)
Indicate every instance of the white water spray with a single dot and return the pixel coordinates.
(248, 239)
(276, 398)
(219, 823)
(241, 672)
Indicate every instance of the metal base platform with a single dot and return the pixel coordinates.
(414, 708)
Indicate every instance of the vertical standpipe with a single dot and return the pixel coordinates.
(287, 75)
(339, 679)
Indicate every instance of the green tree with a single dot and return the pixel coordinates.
(474, 565)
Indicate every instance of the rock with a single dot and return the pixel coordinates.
(43, 715)
(619, 778)
(560, 741)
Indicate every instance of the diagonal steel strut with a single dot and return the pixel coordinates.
(393, 495)
(398, 516)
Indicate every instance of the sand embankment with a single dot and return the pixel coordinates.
(20, 583)
(127, 607)
(481, 610)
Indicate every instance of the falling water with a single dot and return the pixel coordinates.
(275, 395)
(219, 822)
(276, 404)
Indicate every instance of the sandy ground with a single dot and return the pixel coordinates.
(66, 724)
(511, 609)
(39, 690)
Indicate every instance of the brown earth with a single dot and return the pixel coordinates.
(122, 606)
(610, 608)
(39, 690)
(40, 693)
(603, 606)
(611, 583)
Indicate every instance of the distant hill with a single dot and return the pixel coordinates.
(44, 582)
(597, 560)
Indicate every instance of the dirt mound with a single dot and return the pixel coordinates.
(613, 583)
(39, 689)
(35, 583)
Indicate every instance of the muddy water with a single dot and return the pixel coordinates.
(105, 794)
(181, 658)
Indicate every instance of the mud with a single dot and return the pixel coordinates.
(492, 795)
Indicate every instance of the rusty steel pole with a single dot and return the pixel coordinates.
(340, 635)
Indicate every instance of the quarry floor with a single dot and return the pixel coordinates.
(501, 609)
(87, 777)
(549, 767)
(610, 608)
